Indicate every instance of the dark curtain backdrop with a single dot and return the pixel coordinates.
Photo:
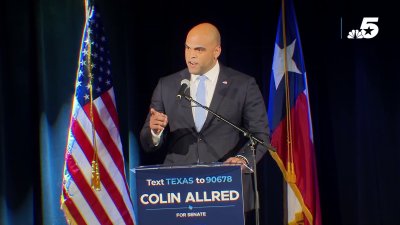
(353, 87)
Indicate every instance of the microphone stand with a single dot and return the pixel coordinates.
(253, 143)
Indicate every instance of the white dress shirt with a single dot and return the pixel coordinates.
(211, 81)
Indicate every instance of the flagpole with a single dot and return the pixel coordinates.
(291, 176)
(95, 179)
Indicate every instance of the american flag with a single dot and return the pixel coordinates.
(94, 188)
(290, 122)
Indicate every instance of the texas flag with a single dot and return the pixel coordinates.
(290, 121)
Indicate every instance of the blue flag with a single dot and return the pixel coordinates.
(290, 122)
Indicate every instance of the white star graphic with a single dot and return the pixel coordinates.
(278, 63)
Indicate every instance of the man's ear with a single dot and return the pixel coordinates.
(217, 51)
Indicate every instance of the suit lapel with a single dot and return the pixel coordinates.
(221, 87)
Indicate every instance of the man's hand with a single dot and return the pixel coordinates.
(158, 121)
(237, 160)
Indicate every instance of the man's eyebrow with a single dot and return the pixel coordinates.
(199, 48)
(195, 48)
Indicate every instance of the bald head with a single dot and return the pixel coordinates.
(206, 31)
(202, 48)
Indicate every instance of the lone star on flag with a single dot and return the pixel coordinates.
(278, 63)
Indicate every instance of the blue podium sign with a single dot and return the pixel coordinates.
(189, 195)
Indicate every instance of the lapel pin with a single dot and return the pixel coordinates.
(225, 82)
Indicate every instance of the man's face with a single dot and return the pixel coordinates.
(201, 53)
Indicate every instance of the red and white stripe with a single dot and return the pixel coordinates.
(111, 205)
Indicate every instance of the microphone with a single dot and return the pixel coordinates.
(184, 87)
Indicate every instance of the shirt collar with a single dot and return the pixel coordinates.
(212, 74)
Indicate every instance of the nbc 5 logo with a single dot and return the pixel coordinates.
(368, 29)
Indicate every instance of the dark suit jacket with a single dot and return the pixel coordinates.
(237, 98)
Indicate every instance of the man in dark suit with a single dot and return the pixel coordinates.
(191, 135)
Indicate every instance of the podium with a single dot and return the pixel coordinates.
(201, 194)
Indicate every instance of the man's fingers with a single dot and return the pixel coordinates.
(229, 160)
(158, 121)
(153, 111)
(235, 160)
(157, 114)
(161, 123)
(156, 127)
